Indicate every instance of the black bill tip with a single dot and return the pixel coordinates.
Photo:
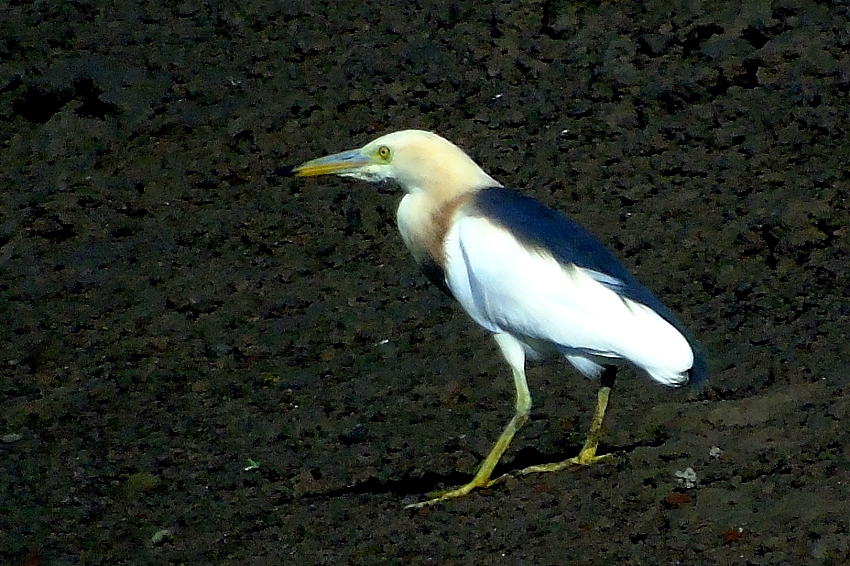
(285, 171)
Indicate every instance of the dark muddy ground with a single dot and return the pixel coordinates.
(170, 311)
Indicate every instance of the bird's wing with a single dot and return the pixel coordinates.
(539, 226)
(561, 289)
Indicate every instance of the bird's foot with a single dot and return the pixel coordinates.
(440, 496)
(585, 458)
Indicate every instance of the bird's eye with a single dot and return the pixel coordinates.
(384, 153)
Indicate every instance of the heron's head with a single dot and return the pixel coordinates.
(416, 159)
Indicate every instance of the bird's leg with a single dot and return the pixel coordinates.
(514, 353)
(587, 455)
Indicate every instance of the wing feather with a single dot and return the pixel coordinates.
(509, 283)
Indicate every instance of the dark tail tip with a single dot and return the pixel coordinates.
(698, 373)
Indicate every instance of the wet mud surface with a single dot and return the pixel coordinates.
(171, 314)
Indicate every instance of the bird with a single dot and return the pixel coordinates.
(535, 279)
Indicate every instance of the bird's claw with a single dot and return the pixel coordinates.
(440, 496)
(582, 459)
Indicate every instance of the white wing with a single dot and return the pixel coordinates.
(507, 287)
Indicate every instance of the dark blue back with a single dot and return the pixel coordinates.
(537, 225)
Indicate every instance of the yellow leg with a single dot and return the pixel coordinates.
(587, 455)
(514, 353)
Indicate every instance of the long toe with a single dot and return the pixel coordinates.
(583, 459)
(453, 493)
(586, 459)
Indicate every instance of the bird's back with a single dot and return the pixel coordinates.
(538, 228)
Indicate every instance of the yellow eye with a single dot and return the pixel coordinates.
(384, 153)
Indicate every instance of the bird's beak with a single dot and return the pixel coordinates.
(336, 164)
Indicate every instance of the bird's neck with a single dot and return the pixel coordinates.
(424, 221)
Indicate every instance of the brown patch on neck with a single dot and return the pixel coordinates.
(441, 219)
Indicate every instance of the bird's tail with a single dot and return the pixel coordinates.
(698, 374)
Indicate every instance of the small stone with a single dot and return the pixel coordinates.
(162, 536)
(675, 500)
(733, 535)
(687, 478)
